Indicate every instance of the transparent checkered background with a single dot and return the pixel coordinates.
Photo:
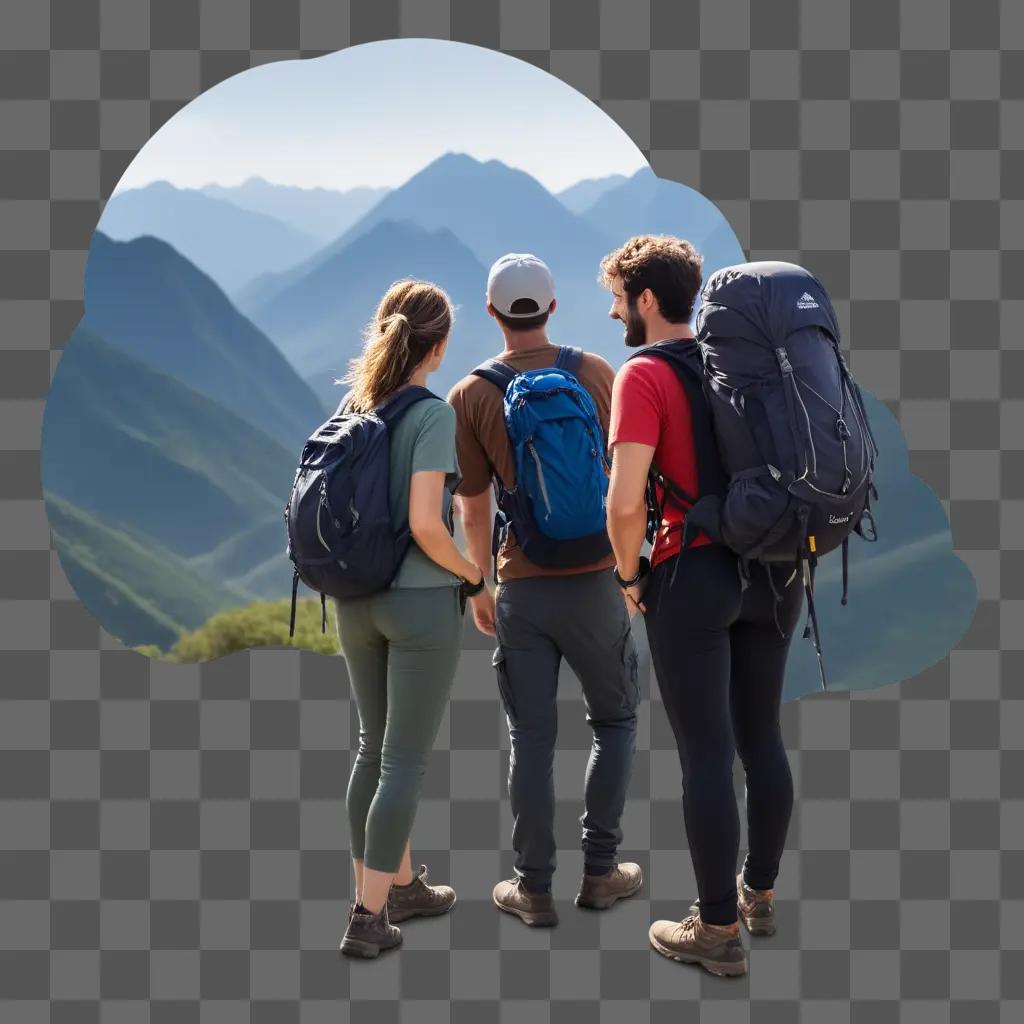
(172, 845)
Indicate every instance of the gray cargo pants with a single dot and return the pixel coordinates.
(583, 618)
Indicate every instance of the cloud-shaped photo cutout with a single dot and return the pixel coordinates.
(227, 287)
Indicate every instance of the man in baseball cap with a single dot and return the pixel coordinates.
(520, 287)
(543, 613)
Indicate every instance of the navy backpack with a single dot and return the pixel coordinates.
(788, 420)
(557, 507)
(340, 536)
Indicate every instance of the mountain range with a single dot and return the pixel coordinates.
(579, 197)
(148, 300)
(146, 480)
(318, 317)
(230, 244)
(321, 213)
(447, 224)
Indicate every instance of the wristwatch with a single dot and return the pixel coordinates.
(472, 589)
(642, 571)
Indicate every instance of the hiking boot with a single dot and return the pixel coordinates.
(598, 892)
(368, 935)
(717, 948)
(532, 908)
(417, 899)
(756, 908)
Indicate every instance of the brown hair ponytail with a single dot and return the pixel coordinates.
(411, 319)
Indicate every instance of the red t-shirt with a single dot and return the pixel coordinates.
(650, 406)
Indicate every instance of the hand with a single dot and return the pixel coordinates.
(631, 595)
(483, 611)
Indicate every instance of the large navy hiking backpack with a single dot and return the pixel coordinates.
(789, 422)
(557, 507)
(340, 535)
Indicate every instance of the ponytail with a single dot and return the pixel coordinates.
(411, 319)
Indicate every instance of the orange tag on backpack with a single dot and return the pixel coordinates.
(810, 540)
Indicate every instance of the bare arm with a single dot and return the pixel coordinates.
(477, 516)
(477, 522)
(428, 530)
(627, 509)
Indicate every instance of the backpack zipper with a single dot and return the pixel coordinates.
(540, 475)
(319, 508)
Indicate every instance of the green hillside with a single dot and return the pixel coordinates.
(136, 448)
(144, 298)
(138, 591)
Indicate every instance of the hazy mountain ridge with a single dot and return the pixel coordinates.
(226, 241)
(581, 196)
(490, 207)
(318, 323)
(321, 213)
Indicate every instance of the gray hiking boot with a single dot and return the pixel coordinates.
(417, 899)
(369, 935)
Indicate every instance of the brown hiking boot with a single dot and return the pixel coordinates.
(532, 908)
(717, 948)
(417, 899)
(598, 892)
(756, 908)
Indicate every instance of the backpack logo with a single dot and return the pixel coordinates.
(806, 301)
(835, 520)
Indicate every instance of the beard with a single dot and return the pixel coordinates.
(636, 329)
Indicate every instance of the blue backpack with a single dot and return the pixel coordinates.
(557, 507)
(340, 535)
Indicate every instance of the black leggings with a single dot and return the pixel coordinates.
(720, 660)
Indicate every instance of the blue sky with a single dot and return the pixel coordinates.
(377, 113)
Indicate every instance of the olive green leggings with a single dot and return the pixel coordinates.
(402, 647)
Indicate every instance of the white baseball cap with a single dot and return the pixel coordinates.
(516, 276)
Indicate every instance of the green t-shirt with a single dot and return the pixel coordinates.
(423, 439)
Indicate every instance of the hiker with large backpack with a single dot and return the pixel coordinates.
(719, 625)
(533, 423)
(370, 525)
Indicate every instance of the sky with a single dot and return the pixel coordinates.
(376, 114)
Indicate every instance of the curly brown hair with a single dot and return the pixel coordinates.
(413, 317)
(671, 267)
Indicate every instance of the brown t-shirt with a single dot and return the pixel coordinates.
(484, 450)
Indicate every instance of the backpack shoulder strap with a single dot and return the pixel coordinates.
(685, 359)
(392, 408)
(569, 358)
(342, 409)
(498, 373)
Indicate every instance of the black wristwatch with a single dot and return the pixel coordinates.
(472, 589)
(642, 571)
